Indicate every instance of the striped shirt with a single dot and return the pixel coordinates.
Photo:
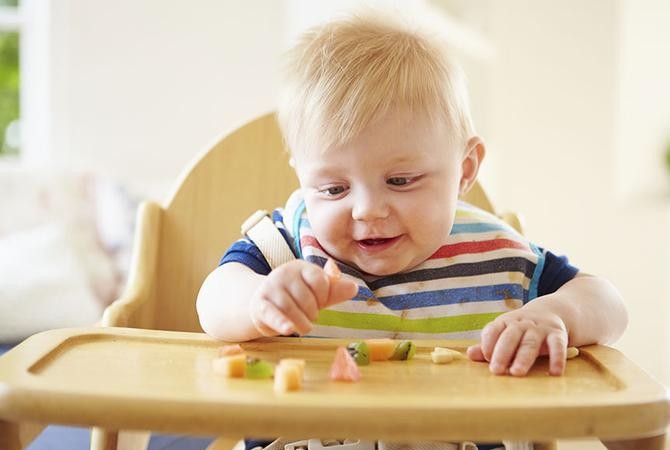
(483, 269)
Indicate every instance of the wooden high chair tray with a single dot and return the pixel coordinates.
(121, 378)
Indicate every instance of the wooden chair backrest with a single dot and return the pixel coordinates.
(179, 243)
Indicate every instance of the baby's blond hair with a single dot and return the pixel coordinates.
(343, 75)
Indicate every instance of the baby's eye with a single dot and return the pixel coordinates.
(398, 181)
(333, 190)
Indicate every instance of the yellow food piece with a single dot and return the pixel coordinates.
(440, 357)
(572, 352)
(232, 366)
(287, 378)
(454, 353)
(380, 349)
(300, 363)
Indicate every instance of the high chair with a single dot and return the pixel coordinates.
(176, 245)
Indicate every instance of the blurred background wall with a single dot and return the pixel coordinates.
(572, 98)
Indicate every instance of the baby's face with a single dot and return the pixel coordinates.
(385, 201)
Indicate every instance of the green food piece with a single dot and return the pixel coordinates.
(257, 369)
(404, 350)
(359, 352)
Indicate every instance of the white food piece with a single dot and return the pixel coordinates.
(441, 357)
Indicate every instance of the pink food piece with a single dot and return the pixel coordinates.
(229, 350)
(344, 367)
(332, 270)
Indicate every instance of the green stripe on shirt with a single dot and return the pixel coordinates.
(385, 322)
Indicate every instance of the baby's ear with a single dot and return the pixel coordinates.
(473, 157)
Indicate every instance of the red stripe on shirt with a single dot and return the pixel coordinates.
(447, 251)
(310, 241)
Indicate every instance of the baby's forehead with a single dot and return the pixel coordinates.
(398, 129)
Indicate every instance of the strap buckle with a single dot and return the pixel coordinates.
(316, 444)
(253, 220)
(467, 445)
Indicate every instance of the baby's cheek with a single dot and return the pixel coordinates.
(329, 228)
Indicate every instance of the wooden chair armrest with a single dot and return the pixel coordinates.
(129, 309)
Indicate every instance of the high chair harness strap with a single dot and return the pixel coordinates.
(267, 237)
(269, 240)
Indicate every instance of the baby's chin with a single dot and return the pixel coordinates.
(382, 269)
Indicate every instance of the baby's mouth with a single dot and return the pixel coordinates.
(377, 244)
(375, 241)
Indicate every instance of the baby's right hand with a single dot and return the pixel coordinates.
(291, 296)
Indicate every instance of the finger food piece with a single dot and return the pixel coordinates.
(344, 368)
(287, 378)
(360, 352)
(332, 270)
(441, 357)
(454, 353)
(229, 350)
(233, 366)
(404, 350)
(299, 363)
(258, 369)
(573, 352)
(380, 349)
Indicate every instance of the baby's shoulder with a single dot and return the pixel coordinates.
(470, 218)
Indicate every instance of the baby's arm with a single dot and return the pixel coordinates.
(237, 304)
(585, 310)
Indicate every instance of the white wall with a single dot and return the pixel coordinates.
(562, 97)
(642, 185)
(644, 107)
(138, 88)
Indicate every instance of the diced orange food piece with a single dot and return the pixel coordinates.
(380, 349)
(232, 366)
(229, 350)
(344, 367)
(287, 378)
(332, 270)
(300, 363)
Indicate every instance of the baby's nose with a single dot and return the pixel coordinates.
(368, 207)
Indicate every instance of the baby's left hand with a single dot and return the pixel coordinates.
(514, 340)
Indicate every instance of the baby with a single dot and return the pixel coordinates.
(376, 118)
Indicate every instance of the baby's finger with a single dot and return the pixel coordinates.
(558, 352)
(475, 353)
(527, 353)
(304, 298)
(286, 303)
(341, 291)
(270, 321)
(317, 281)
(265, 330)
(489, 337)
(504, 350)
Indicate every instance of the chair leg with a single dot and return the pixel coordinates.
(134, 440)
(102, 439)
(16, 436)
(225, 443)
(650, 443)
(119, 440)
